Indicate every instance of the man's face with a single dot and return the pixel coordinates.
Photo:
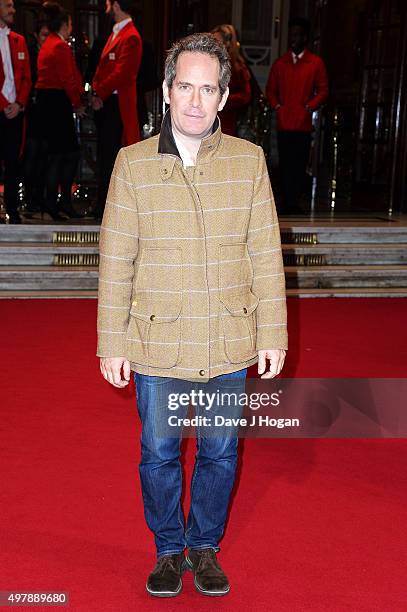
(194, 97)
(109, 8)
(42, 35)
(7, 12)
(297, 38)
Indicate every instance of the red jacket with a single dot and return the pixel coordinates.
(294, 86)
(21, 68)
(57, 69)
(240, 94)
(117, 70)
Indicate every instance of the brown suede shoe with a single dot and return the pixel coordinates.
(209, 577)
(166, 578)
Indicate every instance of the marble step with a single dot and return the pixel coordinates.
(37, 232)
(338, 292)
(44, 254)
(347, 292)
(45, 278)
(86, 277)
(342, 231)
(335, 231)
(344, 254)
(346, 276)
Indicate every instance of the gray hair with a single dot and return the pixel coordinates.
(199, 43)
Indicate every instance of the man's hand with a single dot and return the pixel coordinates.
(276, 357)
(97, 103)
(12, 110)
(111, 368)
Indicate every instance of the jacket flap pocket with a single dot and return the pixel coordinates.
(157, 310)
(240, 304)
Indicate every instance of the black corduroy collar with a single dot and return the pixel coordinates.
(166, 141)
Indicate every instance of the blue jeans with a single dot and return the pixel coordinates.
(160, 467)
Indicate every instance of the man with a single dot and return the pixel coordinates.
(15, 86)
(35, 157)
(192, 292)
(114, 93)
(296, 87)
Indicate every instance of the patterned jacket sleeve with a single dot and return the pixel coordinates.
(264, 245)
(118, 251)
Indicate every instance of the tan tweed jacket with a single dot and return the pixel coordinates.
(191, 280)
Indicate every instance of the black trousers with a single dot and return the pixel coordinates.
(293, 152)
(61, 172)
(109, 128)
(11, 133)
(35, 165)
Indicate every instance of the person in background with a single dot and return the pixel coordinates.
(115, 94)
(59, 89)
(34, 158)
(15, 86)
(239, 87)
(296, 87)
(147, 80)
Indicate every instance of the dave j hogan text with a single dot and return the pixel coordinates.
(221, 421)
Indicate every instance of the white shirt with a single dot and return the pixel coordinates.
(9, 87)
(186, 156)
(119, 26)
(296, 57)
(116, 29)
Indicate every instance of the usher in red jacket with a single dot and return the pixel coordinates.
(296, 86)
(21, 69)
(57, 69)
(117, 71)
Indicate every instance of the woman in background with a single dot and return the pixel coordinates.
(59, 89)
(239, 86)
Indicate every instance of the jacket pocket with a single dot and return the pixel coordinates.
(238, 320)
(154, 331)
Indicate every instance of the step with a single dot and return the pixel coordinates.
(86, 277)
(47, 253)
(338, 292)
(347, 292)
(346, 276)
(37, 232)
(339, 231)
(44, 278)
(335, 231)
(345, 254)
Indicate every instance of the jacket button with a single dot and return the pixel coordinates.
(152, 317)
(165, 171)
(202, 372)
(245, 309)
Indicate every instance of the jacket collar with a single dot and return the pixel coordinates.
(169, 151)
(288, 57)
(112, 42)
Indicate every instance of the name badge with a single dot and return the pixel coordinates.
(112, 56)
(21, 55)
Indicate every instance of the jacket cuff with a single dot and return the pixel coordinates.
(272, 340)
(111, 345)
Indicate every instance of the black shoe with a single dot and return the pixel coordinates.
(166, 578)
(209, 578)
(53, 213)
(69, 210)
(97, 213)
(14, 217)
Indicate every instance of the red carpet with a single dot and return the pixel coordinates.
(315, 524)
